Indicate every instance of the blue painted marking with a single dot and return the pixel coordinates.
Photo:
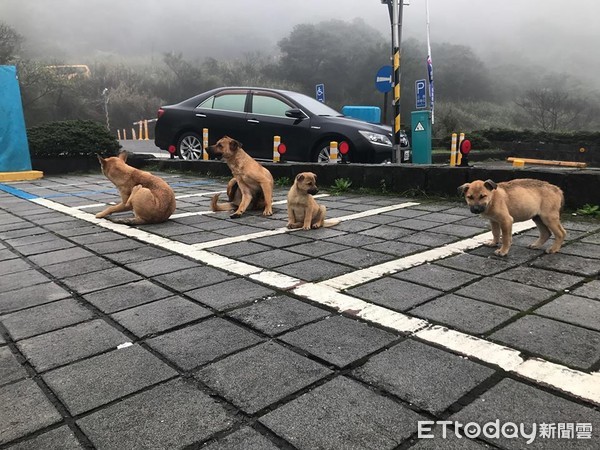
(17, 192)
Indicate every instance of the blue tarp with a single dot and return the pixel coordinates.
(14, 150)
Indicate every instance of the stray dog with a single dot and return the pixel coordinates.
(303, 210)
(151, 199)
(251, 185)
(517, 201)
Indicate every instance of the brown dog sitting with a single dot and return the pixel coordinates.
(251, 185)
(517, 201)
(303, 210)
(151, 199)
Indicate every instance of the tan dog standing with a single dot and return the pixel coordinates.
(150, 197)
(517, 201)
(303, 210)
(251, 185)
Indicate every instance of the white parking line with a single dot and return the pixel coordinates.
(573, 382)
(361, 276)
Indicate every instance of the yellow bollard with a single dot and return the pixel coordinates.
(205, 144)
(453, 150)
(133, 136)
(459, 154)
(146, 129)
(124, 134)
(333, 152)
(141, 134)
(119, 135)
(518, 163)
(276, 142)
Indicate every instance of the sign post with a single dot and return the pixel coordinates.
(384, 83)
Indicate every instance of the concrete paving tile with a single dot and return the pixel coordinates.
(126, 296)
(60, 256)
(273, 258)
(576, 310)
(24, 409)
(277, 315)
(198, 344)
(435, 276)
(443, 217)
(585, 249)
(342, 414)
(429, 239)
(93, 238)
(160, 315)
(445, 439)
(12, 266)
(93, 382)
(405, 213)
(61, 438)
(95, 281)
(339, 340)
(78, 267)
(568, 344)
(515, 402)
(355, 240)
(31, 240)
(245, 438)
(477, 264)
(591, 239)
(548, 279)
(590, 289)
(455, 229)
(358, 257)
(10, 368)
(354, 226)
(78, 230)
(397, 249)
(31, 296)
(69, 344)
(387, 232)
(192, 278)
(317, 248)
(314, 269)
(18, 280)
(239, 249)
(464, 314)
(200, 236)
(137, 254)
(116, 245)
(260, 376)
(568, 263)
(7, 255)
(321, 233)
(506, 293)
(44, 318)
(416, 224)
(158, 266)
(230, 294)
(517, 255)
(173, 415)
(46, 246)
(393, 293)
(422, 375)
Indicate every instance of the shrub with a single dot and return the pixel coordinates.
(71, 138)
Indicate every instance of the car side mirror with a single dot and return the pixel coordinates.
(295, 113)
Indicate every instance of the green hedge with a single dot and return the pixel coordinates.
(71, 138)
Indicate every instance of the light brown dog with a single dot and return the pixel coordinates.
(303, 210)
(251, 185)
(517, 201)
(151, 199)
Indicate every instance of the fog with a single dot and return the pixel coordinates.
(555, 35)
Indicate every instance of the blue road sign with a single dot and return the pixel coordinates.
(383, 79)
(420, 93)
(320, 89)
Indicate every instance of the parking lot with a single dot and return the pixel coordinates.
(217, 333)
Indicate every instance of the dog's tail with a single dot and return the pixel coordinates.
(330, 223)
(127, 220)
(215, 206)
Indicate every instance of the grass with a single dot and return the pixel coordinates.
(340, 185)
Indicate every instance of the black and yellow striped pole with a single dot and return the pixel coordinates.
(395, 9)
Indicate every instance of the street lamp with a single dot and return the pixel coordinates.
(395, 10)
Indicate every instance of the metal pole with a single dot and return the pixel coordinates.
(402, 157)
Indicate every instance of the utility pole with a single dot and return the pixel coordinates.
(395, 10)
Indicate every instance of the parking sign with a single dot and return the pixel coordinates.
(320, 89)
(420, 94)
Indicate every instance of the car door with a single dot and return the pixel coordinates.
(267, 118)
(224, 114)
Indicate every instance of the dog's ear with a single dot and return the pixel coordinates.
(123, 156)
(314, 175)
(490, 185)
(234, 145)
(462, 188)
(100, 159)
(300, 177)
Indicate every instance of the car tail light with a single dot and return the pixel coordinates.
(160, 113)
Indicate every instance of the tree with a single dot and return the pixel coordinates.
(551, 109)
(10, 43)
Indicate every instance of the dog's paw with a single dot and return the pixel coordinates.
(306, 228)
(235, 216)
(291, 226)
(100, 215)
(267, 212)
(552, 250)
(501, 252)
(490, 244)
(316, 225)
(534, 246)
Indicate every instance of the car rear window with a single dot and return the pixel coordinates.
(270, 106)
(227, 102)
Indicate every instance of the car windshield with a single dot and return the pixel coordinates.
(314, 106)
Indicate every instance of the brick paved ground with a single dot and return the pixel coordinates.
(218, 333)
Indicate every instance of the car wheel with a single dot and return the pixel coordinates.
(320, 153)
(189, 146)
